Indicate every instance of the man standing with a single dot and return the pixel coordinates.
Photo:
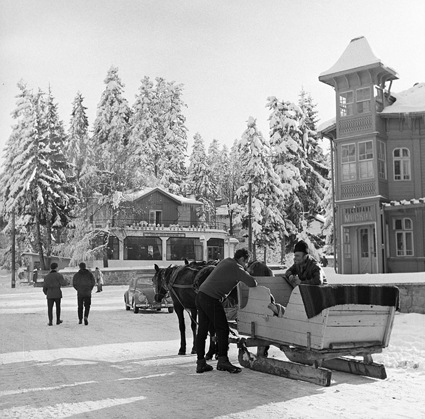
(52, 289)
(98, 276)
(225, 276)
(306, 269)
(83, 281)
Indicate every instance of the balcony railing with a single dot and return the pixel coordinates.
(165, 225)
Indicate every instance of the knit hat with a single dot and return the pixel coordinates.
(301, 246)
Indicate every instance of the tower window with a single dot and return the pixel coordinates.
(401, 164)
(346, 104)
(363, 100)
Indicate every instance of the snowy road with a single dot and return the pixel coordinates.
(124, 365)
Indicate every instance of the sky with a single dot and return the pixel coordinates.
(230, 55)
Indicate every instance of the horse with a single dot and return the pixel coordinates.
(257, 268)
(178, 281)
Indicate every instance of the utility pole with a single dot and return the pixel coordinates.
(13, 249)
(250, 216)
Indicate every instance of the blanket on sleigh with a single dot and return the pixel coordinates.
(317, 298)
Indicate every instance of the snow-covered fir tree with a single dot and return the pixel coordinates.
(78, 150)
(292, 141)
(200, 179)
(268, 192)
(34, 184)
(158, 133)
(114, 159)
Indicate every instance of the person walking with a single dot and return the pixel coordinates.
(98, 276)
(83, 281)
(52, 289)
(225, 276)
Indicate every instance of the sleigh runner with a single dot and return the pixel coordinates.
(320, 327)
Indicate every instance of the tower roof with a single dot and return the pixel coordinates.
(357, 56)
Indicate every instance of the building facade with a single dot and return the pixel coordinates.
(155, 226)
(378, 150)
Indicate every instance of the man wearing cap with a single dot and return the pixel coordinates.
(306, 269)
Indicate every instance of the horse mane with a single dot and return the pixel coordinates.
(258, 268)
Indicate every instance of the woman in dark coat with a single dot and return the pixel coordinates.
(52, 288)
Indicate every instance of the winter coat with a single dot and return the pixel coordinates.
(98, 276)
(309, 272)
(52, 284)
(83, 281)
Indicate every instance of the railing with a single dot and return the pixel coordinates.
(165, 224)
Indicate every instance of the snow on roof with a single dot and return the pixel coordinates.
(326, 124)
(404, 202)
(357, 54)
(409, 101)
(136, 195)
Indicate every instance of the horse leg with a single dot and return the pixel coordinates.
(182, 327)
(212, 350)
(193, 325)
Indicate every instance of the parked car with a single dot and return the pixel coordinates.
(278, 270)
(140, 296)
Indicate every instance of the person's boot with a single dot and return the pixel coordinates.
(224, 364)
(202, 366)
(86, 321)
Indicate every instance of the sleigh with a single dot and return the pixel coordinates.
(323, 328)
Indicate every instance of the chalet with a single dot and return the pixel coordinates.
(378, 151)
(155, 225)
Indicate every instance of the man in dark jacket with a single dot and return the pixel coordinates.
(83, 281)
(306, 269)
(52, 289)
(225, 276)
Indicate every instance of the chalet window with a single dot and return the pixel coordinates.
(363, 100)
(382, 163)
(155, 217)
(346, 105)
(142, 248)
(401, 164)
(404, 236)
(348, 159)
(180, 248)
(366, 160)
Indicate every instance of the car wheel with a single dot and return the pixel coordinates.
(135, 309)
(127, 307)
(170, 309)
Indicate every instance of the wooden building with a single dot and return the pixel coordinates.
(155, 226)
(378, 149)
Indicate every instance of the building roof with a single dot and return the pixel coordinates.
(409, 101)
(404, 203)
(358, 55)
(133, 196)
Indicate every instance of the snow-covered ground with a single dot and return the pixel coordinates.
(125, 365)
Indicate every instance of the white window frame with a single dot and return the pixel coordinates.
(363, 101)
(348, 162)
(382, 160)
(346, 107)
(366, 170)
(403, 234)
(404, 164)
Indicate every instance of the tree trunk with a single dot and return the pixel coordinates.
(48, 242)
(39, 239)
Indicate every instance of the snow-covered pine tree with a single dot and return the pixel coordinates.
(78, 151)
(328, 205)
(316, 168)
(114, 159)
(158, 133)
(35, 186)
(200, 178)
(216, 169)
(289, 139)
(268, 192)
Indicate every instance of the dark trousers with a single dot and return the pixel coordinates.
(83, 302)
(211, 310)
(50, 303)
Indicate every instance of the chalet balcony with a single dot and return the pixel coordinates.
(166, 225)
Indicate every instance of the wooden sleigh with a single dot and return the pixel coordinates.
(319, 329)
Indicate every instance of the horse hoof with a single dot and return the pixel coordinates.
(193, 352)
(182, 352)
